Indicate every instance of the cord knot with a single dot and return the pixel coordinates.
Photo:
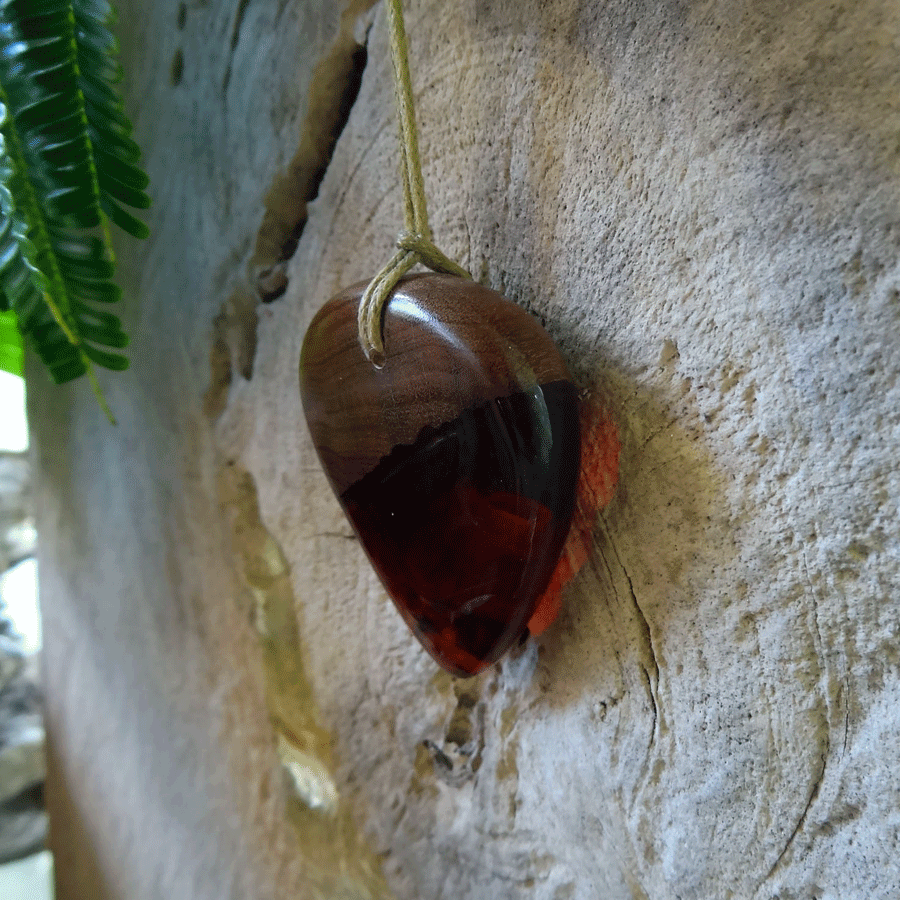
(428, 254)
(414, 243)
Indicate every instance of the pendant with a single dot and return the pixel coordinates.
(456, 461)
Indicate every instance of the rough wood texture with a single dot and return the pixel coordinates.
(701, 200)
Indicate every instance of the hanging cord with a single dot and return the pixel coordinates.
(414, 243)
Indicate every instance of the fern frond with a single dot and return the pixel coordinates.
(38, 67)
(121, 181)
(26, 286)
(67, 165)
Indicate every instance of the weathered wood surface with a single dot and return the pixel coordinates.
(702, 202)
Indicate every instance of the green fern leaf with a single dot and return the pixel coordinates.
(121, 181)
(67, 165)
(26, 287)
(38, 67)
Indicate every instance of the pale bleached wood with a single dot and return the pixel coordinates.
(700, 200)
(165, 779)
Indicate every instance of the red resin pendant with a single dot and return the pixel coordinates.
(457, 461)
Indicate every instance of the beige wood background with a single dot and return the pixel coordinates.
(701, 200)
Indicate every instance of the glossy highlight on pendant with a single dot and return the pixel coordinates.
(456, 461)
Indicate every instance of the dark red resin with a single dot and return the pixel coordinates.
(465, 525)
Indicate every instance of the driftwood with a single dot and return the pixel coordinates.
(701, 201)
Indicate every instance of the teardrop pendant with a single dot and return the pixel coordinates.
(456, 460)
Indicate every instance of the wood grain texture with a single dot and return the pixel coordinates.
(450, 345)
(181, 765)
(701, 201)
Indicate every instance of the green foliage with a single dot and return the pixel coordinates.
(68, 166)
(12, 353)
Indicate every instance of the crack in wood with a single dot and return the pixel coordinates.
(652, 683)
(333, 91)
(239, 17)
(801, 821)
(651, 694)
(829, 723)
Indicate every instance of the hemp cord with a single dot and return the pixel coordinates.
(414, 243)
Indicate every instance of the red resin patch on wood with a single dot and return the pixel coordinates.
(597, 483)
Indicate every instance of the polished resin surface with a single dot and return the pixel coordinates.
(456, 462)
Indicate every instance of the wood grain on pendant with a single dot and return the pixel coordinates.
(456, 461)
